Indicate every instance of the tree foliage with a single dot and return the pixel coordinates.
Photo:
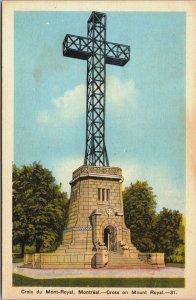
(39, 208)
(168, 234)
(152, 231)
(140, 214)
(179, 253)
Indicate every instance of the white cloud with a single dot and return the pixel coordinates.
(121, 92)
(72, 104)
(63, 171)
(65, 108)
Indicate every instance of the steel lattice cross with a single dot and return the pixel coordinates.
(98, 52)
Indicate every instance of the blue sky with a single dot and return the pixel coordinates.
(145, 99)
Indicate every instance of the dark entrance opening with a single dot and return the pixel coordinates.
(110, 238)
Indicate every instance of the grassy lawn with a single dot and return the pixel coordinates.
(175, 265)
(19, 280)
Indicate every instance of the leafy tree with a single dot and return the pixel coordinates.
(179, 252)
(168, 232)
(39, 208)
(21, 227)
(140, 214)
(178, 256)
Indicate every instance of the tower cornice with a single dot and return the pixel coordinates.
(84, 172)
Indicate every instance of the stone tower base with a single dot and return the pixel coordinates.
(96, 235)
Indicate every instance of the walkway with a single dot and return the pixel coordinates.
(167, 272)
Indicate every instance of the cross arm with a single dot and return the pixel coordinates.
(76, 47)
(117, 54)
(80, 47)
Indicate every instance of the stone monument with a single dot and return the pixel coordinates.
(96, 235)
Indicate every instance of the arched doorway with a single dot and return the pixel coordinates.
(109, 236)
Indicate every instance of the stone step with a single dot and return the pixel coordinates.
(117, 255)
(73, 250)
(126, 261)
(124, 258)
(130, 260)
(130, 266)
(75, 247)
(117, 260)
(79, 245)
(78, 241)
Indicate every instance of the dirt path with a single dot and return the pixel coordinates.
(167, 272)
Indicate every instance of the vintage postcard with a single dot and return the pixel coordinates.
(99, 150)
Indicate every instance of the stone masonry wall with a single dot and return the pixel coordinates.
(90, 194)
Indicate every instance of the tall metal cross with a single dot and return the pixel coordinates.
(98, 52)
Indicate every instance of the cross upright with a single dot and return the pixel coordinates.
(98, 52)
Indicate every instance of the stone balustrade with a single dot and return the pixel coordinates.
(156, 259)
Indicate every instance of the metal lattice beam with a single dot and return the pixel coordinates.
(79, 47)
(98, 52)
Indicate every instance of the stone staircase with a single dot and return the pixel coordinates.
(119, 261)
(75, 247)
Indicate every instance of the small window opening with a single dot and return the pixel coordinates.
(99, 194)
(108, 194)
(103, 194)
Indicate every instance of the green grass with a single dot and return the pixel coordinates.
(19, 280)
(175, 265)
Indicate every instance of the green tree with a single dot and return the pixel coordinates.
(179, 252)
(140, 214)
(168, 232)
(21, 227)
(39, 208)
